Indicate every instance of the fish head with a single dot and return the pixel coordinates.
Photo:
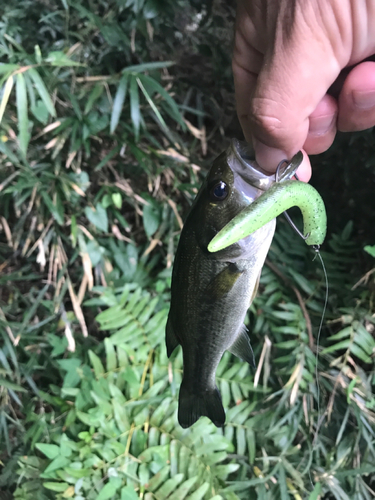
(233, 182)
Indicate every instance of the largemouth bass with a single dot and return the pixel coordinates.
(211, 292)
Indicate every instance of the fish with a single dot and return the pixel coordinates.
(211, 292)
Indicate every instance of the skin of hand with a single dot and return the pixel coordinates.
(288, 55)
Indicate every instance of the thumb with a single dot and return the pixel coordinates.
(295, 73)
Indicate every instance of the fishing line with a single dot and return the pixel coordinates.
(282, 195)
(319, 419)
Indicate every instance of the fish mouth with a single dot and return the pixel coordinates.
(241, 159)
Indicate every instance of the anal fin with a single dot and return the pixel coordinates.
(241, 347)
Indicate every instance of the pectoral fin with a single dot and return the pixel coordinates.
(241, 347)
(170, 338)
(223, 283)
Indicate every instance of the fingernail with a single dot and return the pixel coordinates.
(364, 99)
(320, 125)
(267, 158)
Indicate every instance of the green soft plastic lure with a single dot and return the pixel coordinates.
(279, 197)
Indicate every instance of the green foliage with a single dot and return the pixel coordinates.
(105, 109)
(123, 439)
(118, 433)
(370, 249)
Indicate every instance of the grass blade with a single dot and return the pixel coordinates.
(152, 105)
(108, 157)
(135, 111)
(7, 68)
(154, 86)
(118, 103)
(23, 121)
(11, 385)
(138, 68)
(4, 429)
(30, 91)
(42, 91)
(30, 313)
(7, 90)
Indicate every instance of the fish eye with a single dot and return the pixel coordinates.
(219, 191)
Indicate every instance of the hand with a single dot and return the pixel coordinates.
(287, 55)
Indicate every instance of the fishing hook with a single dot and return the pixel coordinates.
(295, 162)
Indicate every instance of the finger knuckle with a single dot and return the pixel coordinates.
(267, 116)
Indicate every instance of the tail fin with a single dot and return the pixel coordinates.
(192, 405)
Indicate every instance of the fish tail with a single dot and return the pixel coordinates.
(193, 405)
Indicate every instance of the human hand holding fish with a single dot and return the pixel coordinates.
(303, 69)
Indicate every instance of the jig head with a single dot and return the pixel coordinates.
(280, 195)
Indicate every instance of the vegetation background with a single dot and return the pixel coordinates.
(111, 112)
